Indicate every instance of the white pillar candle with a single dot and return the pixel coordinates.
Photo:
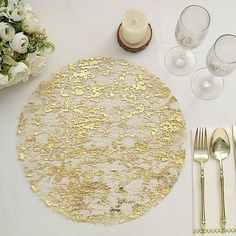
(134, 26)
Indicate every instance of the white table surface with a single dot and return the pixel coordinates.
(82, 29)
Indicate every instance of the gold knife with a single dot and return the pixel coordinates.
(234, 140)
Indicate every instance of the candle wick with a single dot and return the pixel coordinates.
(134, 20)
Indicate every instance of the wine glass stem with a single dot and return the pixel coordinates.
(208, 82)
(180, 59)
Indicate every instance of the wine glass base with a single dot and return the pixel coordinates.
(206, 89)
(177, 65)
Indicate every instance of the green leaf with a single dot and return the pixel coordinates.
(17, 26)
(9, 61)
(2, 3)
(20, 57)
(45, 45)
(5, 69)
(7, 50)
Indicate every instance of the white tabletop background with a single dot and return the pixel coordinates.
(87, 28)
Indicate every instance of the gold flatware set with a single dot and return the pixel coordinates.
(219, 149)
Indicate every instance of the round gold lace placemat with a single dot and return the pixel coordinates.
(102, 141)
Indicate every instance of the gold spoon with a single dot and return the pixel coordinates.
(220, 149)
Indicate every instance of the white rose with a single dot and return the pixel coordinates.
(28, 7)
(7, 31)
(20, 72)
(31, 23)
(3, 80)
(16, 12)
(20, 43)
(35, 63)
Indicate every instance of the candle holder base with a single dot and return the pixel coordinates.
(134, 47)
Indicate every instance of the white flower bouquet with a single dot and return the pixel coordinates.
(23, 43)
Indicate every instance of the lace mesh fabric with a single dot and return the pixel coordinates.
(102, 141)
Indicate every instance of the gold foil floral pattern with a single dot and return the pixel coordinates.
(102, 141)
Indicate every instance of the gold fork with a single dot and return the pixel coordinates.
(200, 154)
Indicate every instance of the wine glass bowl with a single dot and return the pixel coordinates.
(192, 26)
(208, 83)
(191, 29)
(221, 58)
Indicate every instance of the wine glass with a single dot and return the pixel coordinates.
(191, 29)
(208, 83)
